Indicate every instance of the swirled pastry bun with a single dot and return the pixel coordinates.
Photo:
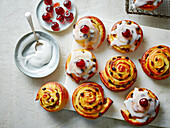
(125, 36)
(89, 32)
(156, 62)
(119, 74)
(141, 107)
(81, 65)
(88, 100)
(53, 96)
(148, 5)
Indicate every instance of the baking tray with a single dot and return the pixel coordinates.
(161, 88)
(163, 11)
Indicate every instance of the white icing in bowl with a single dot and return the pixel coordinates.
(37, 63)
(37, 58)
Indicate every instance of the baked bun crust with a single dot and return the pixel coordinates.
(88, 100)
(53, 96)
(132, 120)
(120, 73)
(148, 5)
(95, 36)
(81, 73)
(125, 36)
(156, 62)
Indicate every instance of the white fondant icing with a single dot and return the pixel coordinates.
(41, 56)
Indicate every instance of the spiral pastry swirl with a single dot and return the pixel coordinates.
(53, 96)
(119, 74)
(88, 100)
(156, 62)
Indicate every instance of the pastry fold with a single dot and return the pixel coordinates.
(53, 96)
(156, 62)
(119, 74)
(88, 100)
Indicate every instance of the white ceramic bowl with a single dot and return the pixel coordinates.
(22, 46)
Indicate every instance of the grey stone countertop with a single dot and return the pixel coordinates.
(18, 108)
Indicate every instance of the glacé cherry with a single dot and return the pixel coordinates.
(67, 4)
(69, 16)
(48, 2)
(55, 26)
(59, 10)
(80, 63)
(60, 18)
(143, 102)
(126, 33)
(49, 8)
(46, 17)
(84, 29)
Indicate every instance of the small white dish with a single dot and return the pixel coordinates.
(41, 9)
(21, 51)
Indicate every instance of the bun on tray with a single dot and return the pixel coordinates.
(156, 62)
(125, 36)
(119, 74)
(89, 32)
(141, 107)
(53, 96)
(81, 65)
(88, 100)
